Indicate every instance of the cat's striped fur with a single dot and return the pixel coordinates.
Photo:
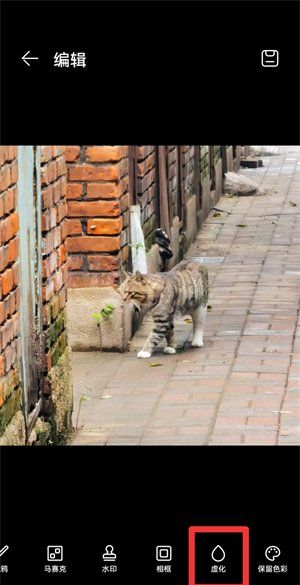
(182, 290)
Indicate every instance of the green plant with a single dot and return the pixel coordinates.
(137, 246)
(105, 313)
(82, 399)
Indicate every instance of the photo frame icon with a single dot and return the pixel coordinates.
(164, 553)
(270, 58)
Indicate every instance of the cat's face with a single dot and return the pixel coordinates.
(138, 290)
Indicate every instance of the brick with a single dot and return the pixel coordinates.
(16, 273)
(74, 227)
(93, 173)
(125, 201)
(46, 220)
(53, 217)
(46, 153)
(55, 306)
(61, 254)
(4, 178)
(53, 261)
(62, 295)
(52, 171)
(2, 155)
(3, 257)
(76, 262)
(62, 210)
(47, 243)
(7, 280)
(16, 324)
(7, 333)
(13, 250)
(46, 272)
(64, 269)
(48, 290)
(103, 263)
(47, 197)
(9, 200)
(9, 356)
(58, 280)
(11, 152)
(93, 208)
(46, 315)
(108, 227)
(93, 244)
(2, 204)
(104, 153)
(14, 218)
(56, 237)
(58, 150)
(57, 191)
(7, 229)
(103, 191)
(86, 279)
(125, 253)
(10, 303)
(17, 297)
(2, 312)
(64, 229)
(61, 166)
(44, 175)
(74, 190)
(64, 185)
(2, 366)
(72, 153)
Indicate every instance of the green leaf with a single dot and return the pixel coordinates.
(97, 316)
(153, 365)
(83, 398)
(241, 225)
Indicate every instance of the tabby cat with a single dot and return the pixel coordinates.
(182, 290)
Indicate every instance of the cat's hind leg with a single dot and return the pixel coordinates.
(198, 317)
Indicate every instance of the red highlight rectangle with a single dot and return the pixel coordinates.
(193, 530)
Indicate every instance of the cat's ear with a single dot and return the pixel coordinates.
(139, 277)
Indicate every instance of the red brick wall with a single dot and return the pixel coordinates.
(98, 216)
(10, 391)
(54, 257)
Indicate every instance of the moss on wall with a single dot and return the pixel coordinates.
(60, 418)
(14, 433)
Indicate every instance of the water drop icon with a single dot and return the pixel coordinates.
(218, 554)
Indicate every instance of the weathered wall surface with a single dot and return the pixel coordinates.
(56, 389)
(11, 419)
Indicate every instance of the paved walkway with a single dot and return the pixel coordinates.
(243, 386)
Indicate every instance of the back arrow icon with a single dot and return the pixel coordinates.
(25, 58)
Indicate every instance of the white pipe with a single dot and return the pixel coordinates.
(138, 250)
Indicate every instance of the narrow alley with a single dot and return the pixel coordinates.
(243, 386)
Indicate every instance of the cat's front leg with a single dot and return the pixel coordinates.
(171, 341)
(159, 333)
(148, 348)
